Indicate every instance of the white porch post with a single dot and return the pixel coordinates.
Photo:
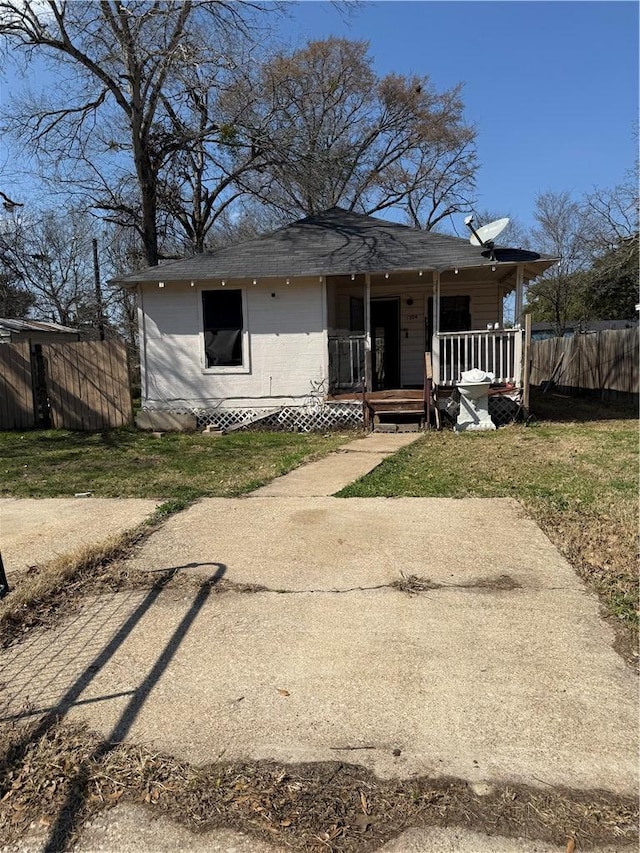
(326, 379)
(435, 343)
(367, 333)
(519, 294)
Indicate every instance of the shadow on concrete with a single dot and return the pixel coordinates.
(61, 831)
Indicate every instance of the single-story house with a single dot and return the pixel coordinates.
(323, 311)
(13, 331)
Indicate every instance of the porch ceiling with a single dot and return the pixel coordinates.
(338, 242)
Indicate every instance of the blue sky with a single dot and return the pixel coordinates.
(551, 86)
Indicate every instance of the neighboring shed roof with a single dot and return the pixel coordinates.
(338, 242)
(12, 325)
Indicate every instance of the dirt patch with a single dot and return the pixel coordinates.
(58, 776)
(413, 584)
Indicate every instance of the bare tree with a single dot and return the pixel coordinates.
(596, 239)
(563, 229)
(611, 285)
(119, 66)
(49, 255)
(325, 131)
(15, 299)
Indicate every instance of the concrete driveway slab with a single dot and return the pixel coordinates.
(509, 685)
(332, 543)
(133, 829)
(36, 531)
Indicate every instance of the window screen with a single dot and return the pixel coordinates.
(223, 324)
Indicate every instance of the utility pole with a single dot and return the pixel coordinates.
(96, 278)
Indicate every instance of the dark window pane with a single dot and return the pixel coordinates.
(455, 315)
(356, 314)
(223, 324)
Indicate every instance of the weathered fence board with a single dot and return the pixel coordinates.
(16, 389)
(605, 361)
(85, 385)
(88, 385)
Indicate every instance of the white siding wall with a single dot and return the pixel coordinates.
(287, 347)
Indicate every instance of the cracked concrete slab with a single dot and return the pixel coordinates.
(508, 686)
(37, 530)
(329, 543)
(328, 475)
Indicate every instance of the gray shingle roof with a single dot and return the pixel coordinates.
(336, 242)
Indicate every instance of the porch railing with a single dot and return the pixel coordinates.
(495, 351)
(346, 362)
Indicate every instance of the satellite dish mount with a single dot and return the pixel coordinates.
(486, 234)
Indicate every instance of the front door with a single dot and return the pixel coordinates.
(385, 343)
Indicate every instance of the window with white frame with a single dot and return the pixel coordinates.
(223, 320)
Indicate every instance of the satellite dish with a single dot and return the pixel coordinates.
(486, 234)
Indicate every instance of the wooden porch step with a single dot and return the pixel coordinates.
(398, 401)
(397, 410)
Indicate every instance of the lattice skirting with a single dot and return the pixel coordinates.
(504, 408)
(315, 418)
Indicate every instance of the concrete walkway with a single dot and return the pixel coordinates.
(335, 471)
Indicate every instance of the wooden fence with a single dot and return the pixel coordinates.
(83, 386)
(16, 387)
(606, 361)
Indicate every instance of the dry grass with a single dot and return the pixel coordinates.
(47, 590)
(60, 777)
(55, 589)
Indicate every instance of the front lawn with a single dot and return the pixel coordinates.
(577, 478)
(127, 463)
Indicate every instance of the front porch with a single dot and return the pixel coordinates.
(379, 327)
(497, 351)
(401, 342)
